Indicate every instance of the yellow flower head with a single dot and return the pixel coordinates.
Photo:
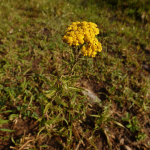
(81, 33)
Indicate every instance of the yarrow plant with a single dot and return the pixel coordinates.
(80, 33)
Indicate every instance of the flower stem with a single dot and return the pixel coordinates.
(76, 61)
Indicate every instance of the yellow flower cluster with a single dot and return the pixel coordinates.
(83, 32)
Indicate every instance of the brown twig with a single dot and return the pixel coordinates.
(25, 144)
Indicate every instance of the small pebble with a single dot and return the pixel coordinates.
(93, 98)
(146, 67)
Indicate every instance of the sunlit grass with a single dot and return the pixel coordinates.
(37, 80)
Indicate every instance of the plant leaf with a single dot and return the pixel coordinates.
(7, 130)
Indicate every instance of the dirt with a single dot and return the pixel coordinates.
(118, 137)
(26, 130)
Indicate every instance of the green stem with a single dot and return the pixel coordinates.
(76, 61)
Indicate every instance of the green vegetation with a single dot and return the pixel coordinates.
(41, 83)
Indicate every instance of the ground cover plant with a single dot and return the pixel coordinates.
(42, 105)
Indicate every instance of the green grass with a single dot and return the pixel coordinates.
(39, 82)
